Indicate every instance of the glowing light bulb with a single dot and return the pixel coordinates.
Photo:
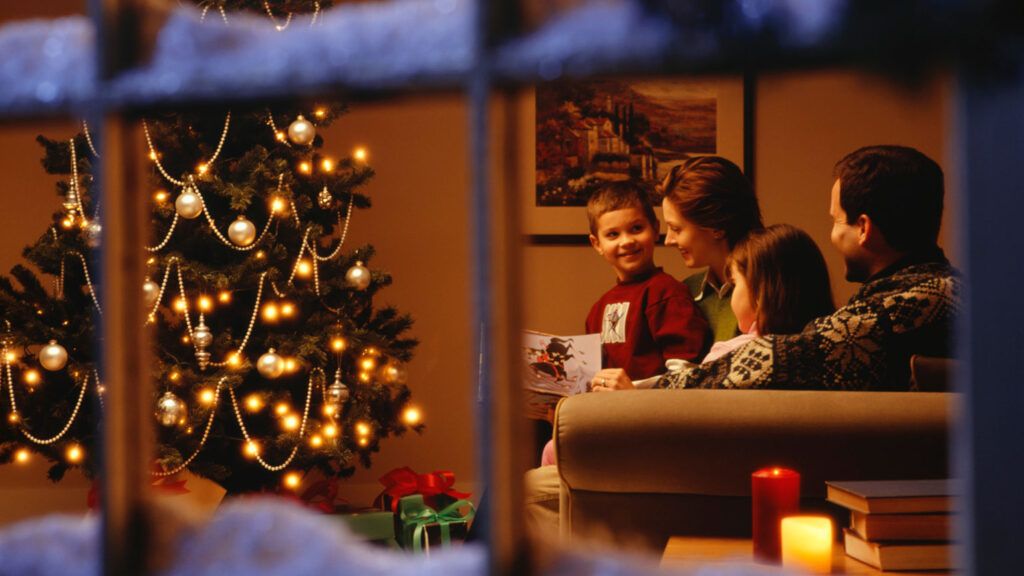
(270, 312)
(362, 428)
(202, 168)
(316, 441)
(327, 165)
(235, 360)
(330, 431)
(277, 205)
(10, 356)
(290, 422)
(320, 113)
(161, 196)
(252, 449)
(224, 297)
(152, 155)
(364, 442)
(185, 339)
(13, 418)
(370, 351)
(287, 309)
(74, 453)
(281, 409)
(174, 376)
(290, 365)
(367, 363)
(328, 410)
(365, 377)
(207, 396)
(303, 269)
(67, 222)
(205, 303)
(21, 456)
(180, 304)
(412, 416)
(260, 255)
(253, 403)
(31, 377)
(338, 344)
(305, 167)
(292, 480)
(360, 154)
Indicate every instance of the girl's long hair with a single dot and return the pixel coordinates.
(787, 276)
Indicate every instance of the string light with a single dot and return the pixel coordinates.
(21, 456)
(327, 165)
(74, 453)
(305, 167)
(281, 409)
(175, 375)
(253, 403)
(364, 377)
(207, 396)
(362, 428)
(13, 418)
(31, 377)
(280, 135)
(224, 297)
(328, 410)
(364, 442)
(338, 344)
(202, 168)
(320, 113)
(367, 363)
(290, 422)
(252, 449)
(152, 155)
(290, 365)
(235, 360)
(67, 222)
(185, 339)
(260, 255)
(303, 269)
(330, 431)
(277, 205)
(161, 196)
(370, 351)
(180, 304)
(205, 304)
(10, 356)
(292, 480)
(412, 415)
(360, 154)
(270, 312)
(316, 441)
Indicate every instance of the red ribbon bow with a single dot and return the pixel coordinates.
(404, 481)
(323, 496)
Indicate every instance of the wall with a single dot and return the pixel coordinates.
(805, 122)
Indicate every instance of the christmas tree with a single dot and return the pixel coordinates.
(270, 358)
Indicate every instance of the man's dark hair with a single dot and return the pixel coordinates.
(618, 196)
(899, 188)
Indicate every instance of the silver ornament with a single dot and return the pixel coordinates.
(394, 374)
(150, 292)
(169, 409)
(189, 205)
(201, 339)
(270, 365)
(242, 232)
(358, 276)
(53, 356)
(337, 394)
(324, 198)
(301, 132)
(93, 230)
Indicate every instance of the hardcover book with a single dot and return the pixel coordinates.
(901, 526)
(900, 555)
(894, 496)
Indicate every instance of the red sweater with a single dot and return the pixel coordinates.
(646, 321)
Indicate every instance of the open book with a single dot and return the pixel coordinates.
(560, 365)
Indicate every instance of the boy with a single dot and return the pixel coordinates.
(648, 316)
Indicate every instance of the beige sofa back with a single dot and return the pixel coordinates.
(644, 465)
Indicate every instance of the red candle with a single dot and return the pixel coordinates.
(775, 493)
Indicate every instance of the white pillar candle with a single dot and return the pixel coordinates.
(807, 543)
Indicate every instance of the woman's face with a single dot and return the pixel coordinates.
(698, 246)
(742, 302)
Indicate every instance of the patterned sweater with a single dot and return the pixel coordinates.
(910, 308)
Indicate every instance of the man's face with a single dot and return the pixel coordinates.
(846, 238)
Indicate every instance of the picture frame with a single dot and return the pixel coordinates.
(611, 129)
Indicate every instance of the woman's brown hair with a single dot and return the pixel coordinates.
(713, 193)
(787, 276)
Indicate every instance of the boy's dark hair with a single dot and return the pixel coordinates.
(713, 193)
(618, 196)
(787, 278)
(899, 188)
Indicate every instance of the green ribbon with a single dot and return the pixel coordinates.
(414, 513)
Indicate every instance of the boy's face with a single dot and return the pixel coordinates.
(625, 238)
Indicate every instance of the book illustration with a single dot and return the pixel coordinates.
(560, 365)
(894, 496)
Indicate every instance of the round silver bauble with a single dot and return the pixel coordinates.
(169, 409)
(150, 292)
(189, 205)
(358, 276)
(301, 131)
(337, 393)
(242, 232)
(93, 230)
(53, 356)
(394, 374)
(270, 365)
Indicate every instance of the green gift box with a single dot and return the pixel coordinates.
(376, 527)
(421, 525)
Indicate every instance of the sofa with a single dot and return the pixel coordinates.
(637, 467)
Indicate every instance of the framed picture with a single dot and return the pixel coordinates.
(591, 132)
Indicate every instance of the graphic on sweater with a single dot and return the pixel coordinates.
(613, 327)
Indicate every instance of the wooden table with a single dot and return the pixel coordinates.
(689, 552)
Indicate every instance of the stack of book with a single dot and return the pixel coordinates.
(898, 524)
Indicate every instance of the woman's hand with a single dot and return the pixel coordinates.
(611, 379)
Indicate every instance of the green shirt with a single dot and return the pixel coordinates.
(714, 304)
